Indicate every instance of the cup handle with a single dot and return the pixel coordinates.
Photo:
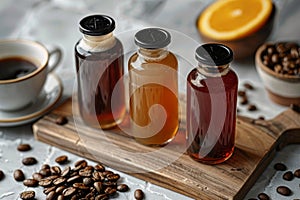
(55, 57)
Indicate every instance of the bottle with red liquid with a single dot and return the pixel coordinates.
(211, 105)
(100, 67)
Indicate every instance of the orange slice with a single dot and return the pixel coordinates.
(234, 19)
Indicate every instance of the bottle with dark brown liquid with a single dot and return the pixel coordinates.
(211, 105)
(153, 87)
(99, 65)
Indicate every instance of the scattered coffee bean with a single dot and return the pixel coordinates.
(283, 190)
(98, 186)
(244, 100)
(60, 197)
(100, 168)
(280, 167)
(30, 183)
(29, 161)
(241, 93)
(62, 159)
(288, 176)
(19, 175)
(248, 86)
(55, 170)
(69, 191)
(45, 182)
(51, 195)
(27, 195)
(59, 181)
(263, 196)
(37, 176)
(101, 197)
(60, 189)
(123, 188)
(45, 172)
(1, 175)
(80, 164)
(297, 173)
(87, 181)
(24, 147)
(138, 194)
(252, 107)
(61, 120)
(49, 189)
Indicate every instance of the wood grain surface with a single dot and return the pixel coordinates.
(256, 144)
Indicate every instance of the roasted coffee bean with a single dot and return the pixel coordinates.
(60, 197)
(122, 188)
(80, 165)
(100, 168)
(29, 161)
(85, 172)
(113, 177)
(252, 107)
(66, 171)
(110, 191)
(49, 189)
(106, 173)
(98, 176)
(248, 86)
(37, 176)
(68, 192)
(61, 120)
(27, 195)
(244, 100)
(242, 93)
(51, 195)
(275, 58)
(45, 172)
(52, 177)
(1, 175)
(45, 166)
(73, 179)
(59, 181)
(60, 189)
(55, 170)
(30, 182)
(283, 190)
(297, 173)
(45, 182)
(288, 176)
(263, 196)
(19, 175)
(280, 167)
(98, 186)
(102, 197)
(61, 159)
(80, 186)
(138, 194)
(24, 147)
(110, 184)
(87, 181)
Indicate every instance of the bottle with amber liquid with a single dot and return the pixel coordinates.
(211, 105)
(100, 66)
(153, 88)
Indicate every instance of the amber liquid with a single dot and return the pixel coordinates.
(211, 123)
(154, 83)
(96, 83)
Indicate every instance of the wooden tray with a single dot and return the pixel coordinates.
(256, 144)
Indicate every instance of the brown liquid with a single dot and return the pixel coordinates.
(200, 117)
(15, 67)
(146, 94)
(96, 84)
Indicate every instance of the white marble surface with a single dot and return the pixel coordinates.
(55, 23)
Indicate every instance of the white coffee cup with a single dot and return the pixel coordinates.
(19, 92)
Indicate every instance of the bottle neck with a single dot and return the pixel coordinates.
(153, 54)
(97, 43)
(213, 71)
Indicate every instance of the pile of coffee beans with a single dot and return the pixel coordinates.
(282, 57)
(82, 181)
(243, 97)
(281, 189)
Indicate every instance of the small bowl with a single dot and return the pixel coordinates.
(282, 89)
(245, 47)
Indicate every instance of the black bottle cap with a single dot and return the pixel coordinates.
(96, 25)
(152, 38)
(214, 54)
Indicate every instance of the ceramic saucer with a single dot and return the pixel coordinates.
(44, 103)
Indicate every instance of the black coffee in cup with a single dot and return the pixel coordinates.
(15, 67)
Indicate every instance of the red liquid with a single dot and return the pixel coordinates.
(211, 116)
(96, 83)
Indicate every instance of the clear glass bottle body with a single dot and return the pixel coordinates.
(100, 67)
(153, 89)
(211, 113)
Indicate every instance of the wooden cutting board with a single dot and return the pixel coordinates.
(256, 144)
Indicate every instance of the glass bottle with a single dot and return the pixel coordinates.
(211, 105)
(153, 87)
(100, 66)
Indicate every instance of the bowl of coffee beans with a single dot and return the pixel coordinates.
(278, 65)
